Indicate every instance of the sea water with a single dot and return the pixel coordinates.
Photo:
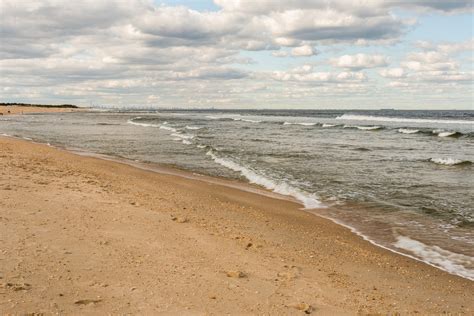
(401, 179)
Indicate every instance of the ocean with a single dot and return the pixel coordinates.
(401, 179)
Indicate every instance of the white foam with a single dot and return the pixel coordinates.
(168, 128)
(446, 134)
(448, 161)
(354, 117)
(407, 131)
(299, 123)
(328, 125)
(182, 136)
(454, 263)
(246, 120)
(363, 128)
(309, 201)
(368, 128)
(201, 146)
(192, 127)
(141, 124)
(186, 142)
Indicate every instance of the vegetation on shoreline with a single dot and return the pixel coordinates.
(64, 106)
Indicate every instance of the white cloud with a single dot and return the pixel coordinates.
(360, 61)
(285, 41)
(429, 61)
(433, 65)
(393, 72)
(448, 48)
(280, 53)
(319, 77)
(361, 7)
(303, 51)
(304, 69)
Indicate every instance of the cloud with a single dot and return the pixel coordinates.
(188, 25)
(303, 51)
(448, 47)
(433, 65)
(330, 25)
(393, 73)
(361, 7)
(360, 61)
(122, 50)
(308, 76)
(429, 61)
(209, 73)
(280, 53)
(454, 6)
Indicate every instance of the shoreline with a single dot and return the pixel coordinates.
(238, 185)
(251, 188)
(286, 217)
(21, 110)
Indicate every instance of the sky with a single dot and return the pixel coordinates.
(247, 54)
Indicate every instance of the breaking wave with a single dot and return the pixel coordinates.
(192, 127)
(302, 123)
(182, 136)
(246, 120)
(450, 161)
(309, 200)
(328, 125)
(448, 134)
(142, 124)
(454, 263)
(364, 128)
(408, 131)
(355, 117)
(168, 128)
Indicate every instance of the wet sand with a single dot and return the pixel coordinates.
(86, 235)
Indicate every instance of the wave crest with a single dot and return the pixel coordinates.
(450, 161)
(364, 128)
(132, 122)
(408, 131)
(182, 136)
(302, 123)
(192, 127)
(309, 201)
(452, 262)
(355, 117)
(246, 120)
(448, 134)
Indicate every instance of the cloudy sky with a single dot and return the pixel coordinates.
(239, 53)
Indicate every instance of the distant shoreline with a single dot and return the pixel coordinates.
(23, 108)
(62, 106)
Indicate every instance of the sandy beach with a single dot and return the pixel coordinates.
(83, 235)
(18, 110)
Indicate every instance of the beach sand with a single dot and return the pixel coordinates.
(18, 110)
(82, 235)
